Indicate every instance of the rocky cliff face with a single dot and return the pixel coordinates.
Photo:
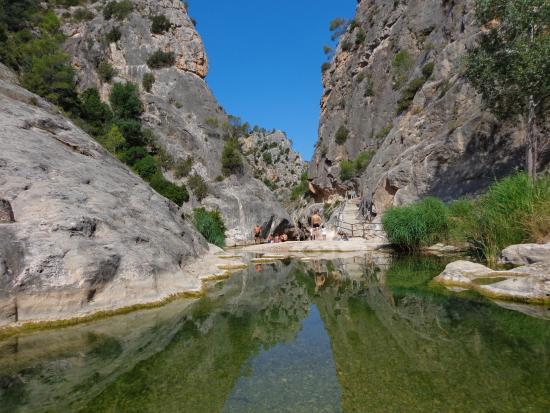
(79, 231)
(274, 161)
(180, 108)
(394, 91)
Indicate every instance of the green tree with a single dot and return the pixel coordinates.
(113, 140)
(160, 24)
(511, 63)
(231, 161)
(125, 101)
(93, 110)
(52, 77)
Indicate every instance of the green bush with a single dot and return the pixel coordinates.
(105, 71)
(83, 14)
(407, 95)
(346, 170)
(210, 224)
(514, 210)
(118, 9)
(428, 69)
(346, 46)
(413, 226)
(212, 122)
(113, 140)
(125, 101)
(267, 158)
(132, 131)
(362, 161)
(146, 167)
(231, 160)
(198, 186)
(148, 81)
(301, 189)
(132, 155)
(160, 24)
(183, 167)
(360, 37)
(113, 35)
(161, 59)
(175, 193)
(341, 135)
(164, 158)
(93, 110)
(325, 66)
(401, 63)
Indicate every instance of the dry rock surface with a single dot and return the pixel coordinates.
(522, 254)
(79, 231)
(180, 108)
(438, 142)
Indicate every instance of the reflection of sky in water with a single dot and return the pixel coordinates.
(300, 376)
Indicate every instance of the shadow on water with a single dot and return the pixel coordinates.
(347, 335)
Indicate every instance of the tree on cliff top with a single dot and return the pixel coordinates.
(511, 62)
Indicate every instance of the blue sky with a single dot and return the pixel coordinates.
(265, 59)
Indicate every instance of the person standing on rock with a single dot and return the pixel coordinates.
(316, 224)
(257, 234)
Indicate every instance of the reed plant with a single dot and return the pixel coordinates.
(514, 210)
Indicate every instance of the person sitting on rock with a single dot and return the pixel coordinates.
(257, 234)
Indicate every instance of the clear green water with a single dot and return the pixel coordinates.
(362, 335)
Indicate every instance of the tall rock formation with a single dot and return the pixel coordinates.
(394, 90)
(274, 161)
(83, 232)
(180, 108)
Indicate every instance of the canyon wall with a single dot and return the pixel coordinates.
(394, 94)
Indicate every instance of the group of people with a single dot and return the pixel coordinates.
(270, 239)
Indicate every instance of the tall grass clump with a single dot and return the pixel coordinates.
(514, 210)
(413, 226)
(210, 224)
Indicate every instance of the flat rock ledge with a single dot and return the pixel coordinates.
(523, 254)
(528, 283)
(62, 307)
(290, 247)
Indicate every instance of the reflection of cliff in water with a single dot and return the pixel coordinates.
(180, 357)
(396, 346)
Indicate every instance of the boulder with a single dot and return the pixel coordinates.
(522, 254)
(528, 283)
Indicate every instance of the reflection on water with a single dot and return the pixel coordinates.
(358, 335)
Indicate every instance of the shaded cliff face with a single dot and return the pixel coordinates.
(180, 108)
(394, 90)
(85, 234)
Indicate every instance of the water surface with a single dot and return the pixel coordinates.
(368, 334)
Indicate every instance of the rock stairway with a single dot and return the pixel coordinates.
(352, 222)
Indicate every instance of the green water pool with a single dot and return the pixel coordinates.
(366, 334)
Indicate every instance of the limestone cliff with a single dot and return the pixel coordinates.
(80, 231)
(274, 161)
(394, 92)
(179, 108)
